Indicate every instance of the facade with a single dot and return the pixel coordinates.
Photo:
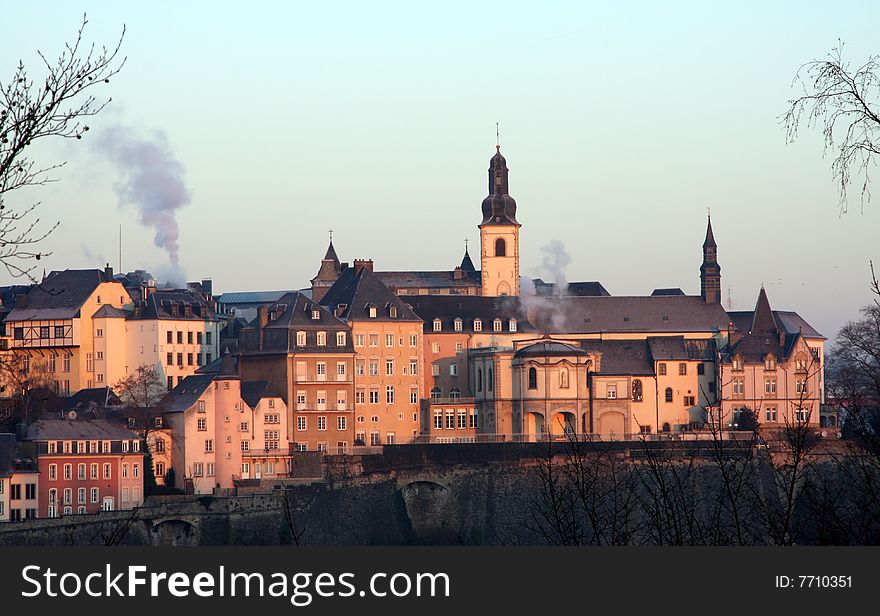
(19, 481)
(306, 353)
(389, 360)
(223, 430)
(86, 466)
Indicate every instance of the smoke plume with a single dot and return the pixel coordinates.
(544, 305)
(152, 180)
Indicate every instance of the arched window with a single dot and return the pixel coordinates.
(435, 394)
(479, 379)
(563, 378)
(500, 247)
(489, 380)
(637, 390)
(669, 394)
(666, 427)
(533, 378)
(455, 393)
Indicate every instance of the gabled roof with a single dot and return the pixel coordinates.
(109, 312)
(254, 391)
(59, 296)
(357, 292)
(96, 396)
(77, 429)
(187, 393)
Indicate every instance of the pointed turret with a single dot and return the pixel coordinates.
(710, 271)
(763, 322)
(466, 264)
(327, 273)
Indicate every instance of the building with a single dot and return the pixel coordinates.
(389, 357)
(19, 481)
(86, 465)
(773, 366)
(223, 430)
(306, 353)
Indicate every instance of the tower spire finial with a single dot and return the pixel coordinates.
(497, 137)
(331, 234)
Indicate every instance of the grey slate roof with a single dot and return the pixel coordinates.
(447, 308)
(254, 391)
(357, 292)
(292, 313)
(77, 429)
(251, 297)
(434, 280)
(13, 458)
(110, 312)
(187, 392)
(59, 296)
(668, 291)
(667, 348)
(572, 289)
(96, 396)
(549, 348)
(659, 314)
(162, 303)
(621, 357)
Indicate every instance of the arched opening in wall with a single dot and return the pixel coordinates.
(534, 426)
(668, 396)
(500, 247)
(611, 425)
(564, 424)
(503, 289)
(455, 393)
(533, 378)
(479, 379)
(435, 393)
(666, 427)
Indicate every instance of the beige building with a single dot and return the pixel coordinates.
(19, 481)
(389, 358)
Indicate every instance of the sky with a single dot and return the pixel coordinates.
(621, 124)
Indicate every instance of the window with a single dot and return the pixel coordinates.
(189, 359)
(435, 394)
(243, 426)
(107, 472)
(456, 325)
(59, 331)
(180, 359)
(340, 339)
(94, 495)
(512, 325)
(414, 341)
(68, 472)
(198, 337)
(341, 423)
(739, 387)
(478, 325)
(496, 325)
(179, 337)
(637, 390)
(209, 447)
(669, 394)
(125, 468)
(321, 400)
(414, 396)
(770, 386)
(321, 369)
(500, 247)
(93, 471)
(159, 445)
(245, 446)
(701, 369)
(340, 371)
(389, 394)
(800, 362)
(389, 340)
(438, 420)
(450, 420)
(201, 424)
(68, 496)
(661, 369)
(435, 347)
(802, 415)
(414, 367)
(374, 367)
(455, 393)
(737, 363)
(80, 471)
(435, 370)
(374, 396)
(169, 337)
(453, 369)
(682, 369)
(689, 401)
(271, 440)
(374, 340)
(301, 423)
(208, 341)
(53, 474)
(360, 396)
(438, 326)
(359, 340)
(389, 367)
(390, 438)
(372, 312)
(322, 338)
(770, 413)
(199, 468)
(65, 363)
(533, 378)
(801, 386)
(322, 423)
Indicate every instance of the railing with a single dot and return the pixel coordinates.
(539, 437)
(452, 400)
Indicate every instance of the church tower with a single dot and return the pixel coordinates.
(710, 271)
(499, 234)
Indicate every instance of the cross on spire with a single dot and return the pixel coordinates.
(331, 234)
(497, 136)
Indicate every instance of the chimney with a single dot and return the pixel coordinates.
(108, 272)
(262, 321)
(207, 286)
(456, 273)
(360, 264)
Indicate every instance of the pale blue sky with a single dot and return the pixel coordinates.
(621, 123)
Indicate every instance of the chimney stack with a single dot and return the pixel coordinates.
(360, 264)
(108, 272)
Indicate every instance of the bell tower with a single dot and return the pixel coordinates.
(710, 271)
(499, 233)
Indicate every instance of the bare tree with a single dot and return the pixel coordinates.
(57, 105)
(143, 388)
(845, 102)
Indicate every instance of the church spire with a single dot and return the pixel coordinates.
(327, 273)
(710, 271)
(499, 207)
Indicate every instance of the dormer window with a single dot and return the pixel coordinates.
(737, 363)
(316, 315)
(322, 338)
(392, 312)
(496, 325)
(512, 325)
(438, 326)
(478, 325)
(457, 325)
(800, 362)
(769, 363)
(340, 339)
(300, 339)
(372, 312)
